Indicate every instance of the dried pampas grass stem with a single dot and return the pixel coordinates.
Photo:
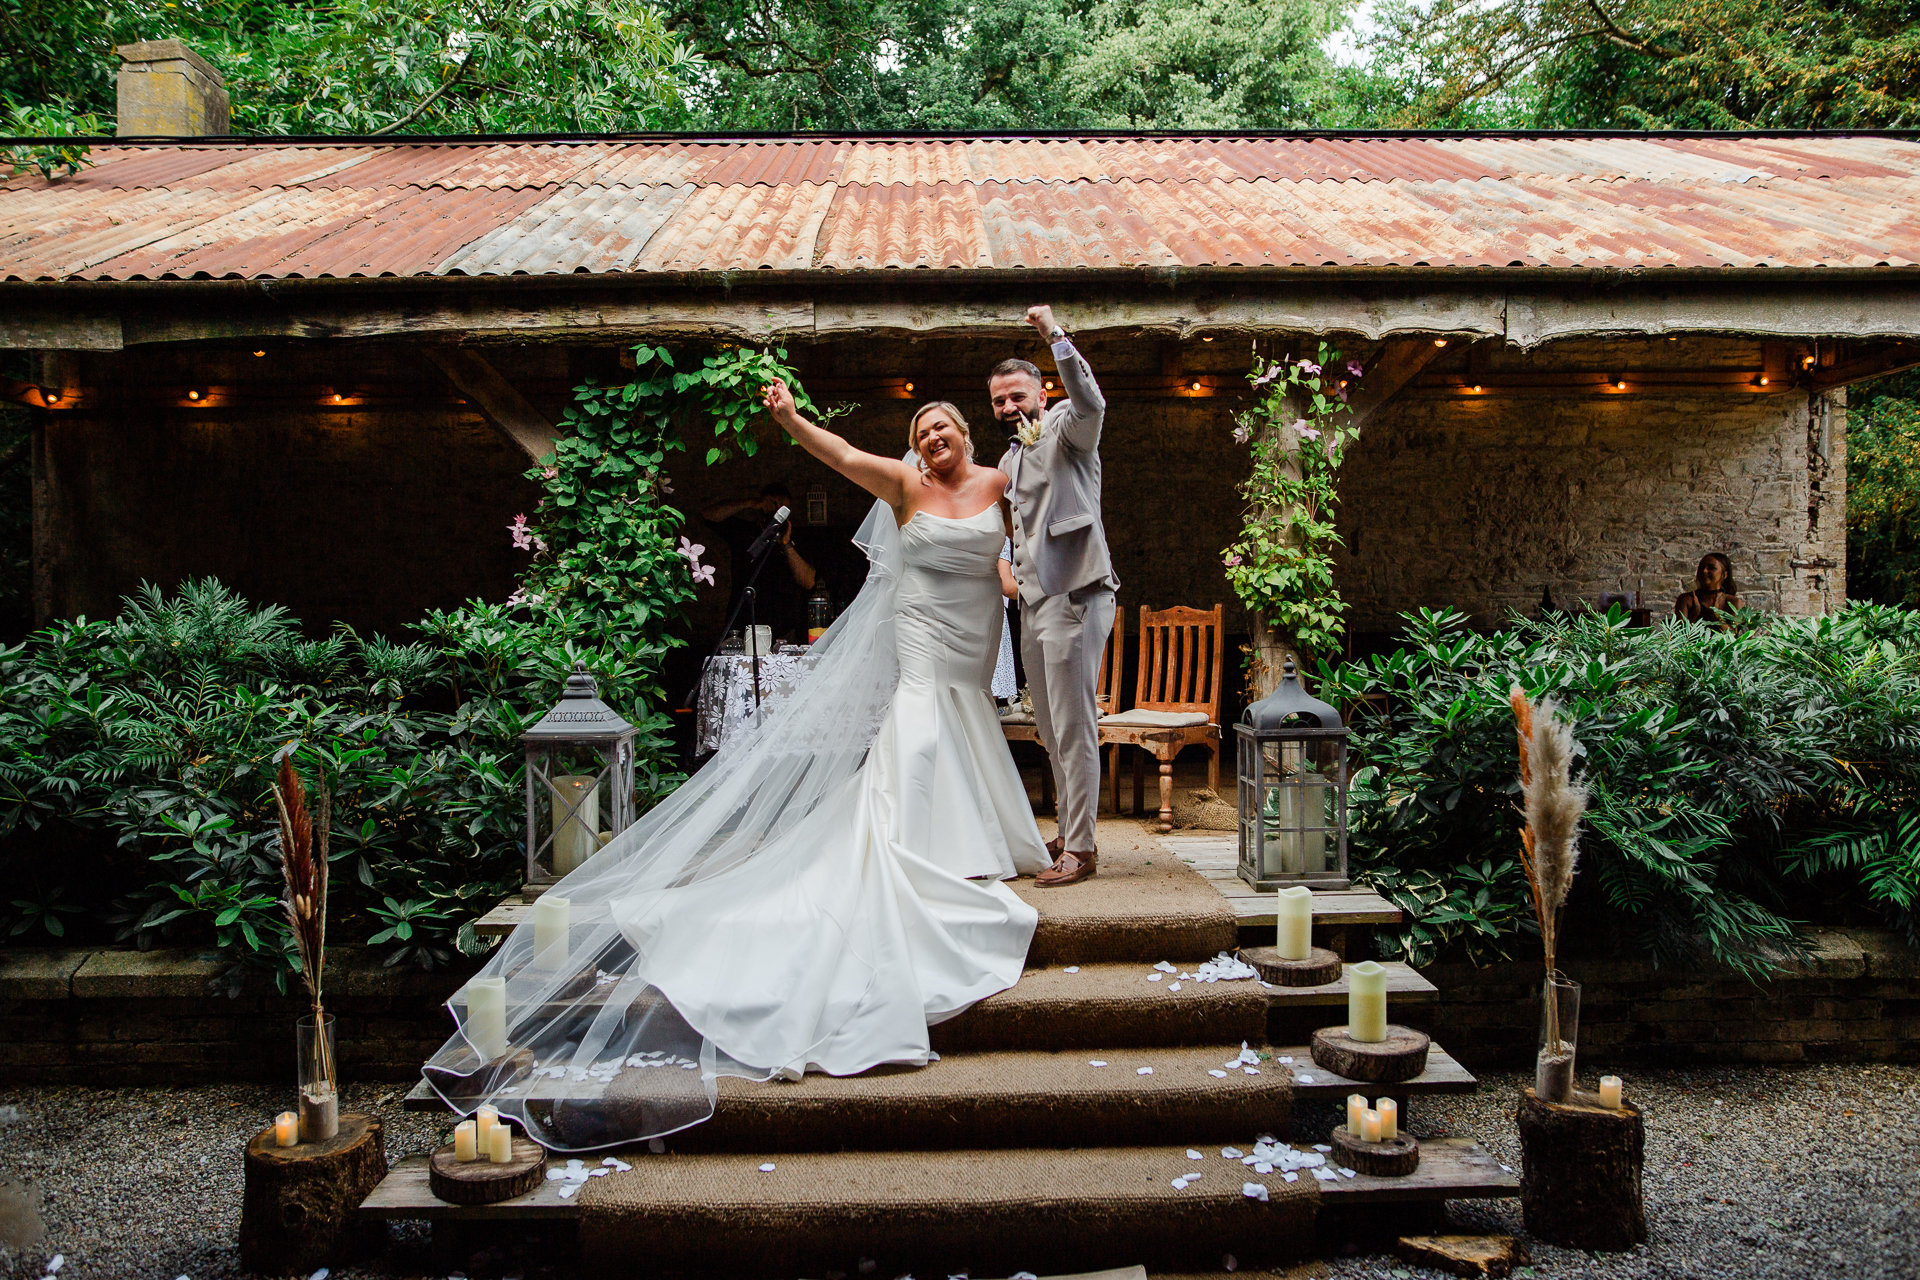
(1553, 804)
(303, 864)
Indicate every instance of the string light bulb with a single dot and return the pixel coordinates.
(909, 386)
(1206, 337)
(1476, 388)
(1194, 386)
(259, 353)
(1049, 385)
(1619, 382)
(1439, 342)
(193, 395)
(1760, 381)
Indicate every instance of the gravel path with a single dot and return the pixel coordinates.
(1752, 1174)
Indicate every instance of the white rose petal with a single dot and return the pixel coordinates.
(1164, 967)
(1304, 1079)
(1194, 1155)
(1254, 1190)
(1155, 977)
(1144, 1071)
(1072, 968)
(1173, 986)
(1217, 1074)
(1230, 1153)
(1291, 1177)
(1095, 1062)
(766, 1168)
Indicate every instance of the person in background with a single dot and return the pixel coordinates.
(1713, 590)
(781, 594)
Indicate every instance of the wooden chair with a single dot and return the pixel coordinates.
(1176, 700)
(1107, 695)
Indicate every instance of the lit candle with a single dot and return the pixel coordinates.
(550, 922)
(483, 1122)
(1610, 1092)
(1369, 1125)
(500, 1144)
(1389, 1119)
(1294, 938)
(1356, 1107)
(286, 1128)
(576, 812)
(486, 1024)
(1367, 1002)
(465, 1146)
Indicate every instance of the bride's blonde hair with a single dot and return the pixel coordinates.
(953, 411)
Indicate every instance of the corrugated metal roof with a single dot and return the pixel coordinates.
(543, 207)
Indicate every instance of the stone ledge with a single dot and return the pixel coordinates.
(39, 973)
(179, 973)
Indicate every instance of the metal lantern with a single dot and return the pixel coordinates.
(1293, 790)
(579, 780)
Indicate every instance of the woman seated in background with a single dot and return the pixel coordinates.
(1713, 590)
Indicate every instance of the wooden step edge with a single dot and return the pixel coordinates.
(1404, 984)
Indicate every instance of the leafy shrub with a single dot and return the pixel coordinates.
(1883, 493)
(1739, 777)
(160, 728)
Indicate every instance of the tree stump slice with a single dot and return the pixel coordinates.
(1395, 1158)
(483, 1182)
(301, 1207)
(1580, 1176)
(1401, 1056)
(1319, 968)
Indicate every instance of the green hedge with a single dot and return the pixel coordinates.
(1744, 780)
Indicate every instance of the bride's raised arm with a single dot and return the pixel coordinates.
(884, 478)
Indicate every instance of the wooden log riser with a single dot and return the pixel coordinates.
(1399, 1057)
(1580, 1181)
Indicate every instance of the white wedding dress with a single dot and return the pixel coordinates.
(808, 906)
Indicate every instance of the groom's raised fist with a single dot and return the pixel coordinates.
(1041, 318)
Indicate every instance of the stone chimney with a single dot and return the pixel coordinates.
(167, 90)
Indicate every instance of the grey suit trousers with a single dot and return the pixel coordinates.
(1061, 638)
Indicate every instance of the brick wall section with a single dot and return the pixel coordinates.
(146, 1018)
(1855, 999)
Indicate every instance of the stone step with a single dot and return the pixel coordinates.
(1144, 905)
(993, 1212)
(1103, 1006)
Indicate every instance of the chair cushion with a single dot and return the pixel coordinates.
(1015, 717)
(1155, 719)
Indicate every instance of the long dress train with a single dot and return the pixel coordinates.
(810, 907)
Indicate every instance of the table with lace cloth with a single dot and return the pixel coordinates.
(725, 702)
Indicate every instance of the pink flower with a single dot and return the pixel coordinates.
(1272, 373)
(691, 550)
(550, 473)
(521, 596)
(1242, 434)
(703, 573)
(1353, 367)
(1231, 561)
(1306, 432)
(1309, 366)
(522, 536)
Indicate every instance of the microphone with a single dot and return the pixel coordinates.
(768, 534)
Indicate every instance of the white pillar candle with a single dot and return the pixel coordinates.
(574, 833)
(1369, 1125)
(483, 1122)
(1367, 1001)
(1389, 1118)
(466, 1147)
(486, 1025)
(500, 1144)
(1610, 1092)
(1294, 932)
(1356, 1107)
(286, 1129)
(551, 920)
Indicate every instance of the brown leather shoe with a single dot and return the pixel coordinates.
(1056, 847)
(1068, 868)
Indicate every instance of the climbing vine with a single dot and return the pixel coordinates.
(1281, 565)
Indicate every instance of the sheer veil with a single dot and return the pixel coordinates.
(595, 1055)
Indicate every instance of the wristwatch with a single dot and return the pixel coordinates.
(1056, 333)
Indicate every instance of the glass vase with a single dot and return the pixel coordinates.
(319, 1079)
(1559, 1033)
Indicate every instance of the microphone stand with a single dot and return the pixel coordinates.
(746, 601)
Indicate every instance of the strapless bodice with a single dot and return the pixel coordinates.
(942, 544)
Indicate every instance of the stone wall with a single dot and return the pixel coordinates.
(1480, 501)
(150, 1018)
(374, 510)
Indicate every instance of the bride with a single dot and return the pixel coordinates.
(827, 887)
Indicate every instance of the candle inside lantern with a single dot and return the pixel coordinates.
(500, 1144)
(1610, 1092)
(1356, 1107)
(1294, 934)
(1369, 1125)
(1389, 1118)
(551, 921)
(483, 1122)
(1367, 1002)
(286, 1129)
(486, 1024)
(466, 1147)
(575, 833)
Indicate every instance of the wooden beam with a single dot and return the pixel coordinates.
(1398, 362)
(504, 408)
(1874, 364)
(25, 393)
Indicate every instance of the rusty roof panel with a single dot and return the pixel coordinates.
(505, 207)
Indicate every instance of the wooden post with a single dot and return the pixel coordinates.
(301, 1208)
(1580, 1178)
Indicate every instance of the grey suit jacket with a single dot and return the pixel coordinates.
(1054, 485)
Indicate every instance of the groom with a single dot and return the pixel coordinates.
(1065, 577)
